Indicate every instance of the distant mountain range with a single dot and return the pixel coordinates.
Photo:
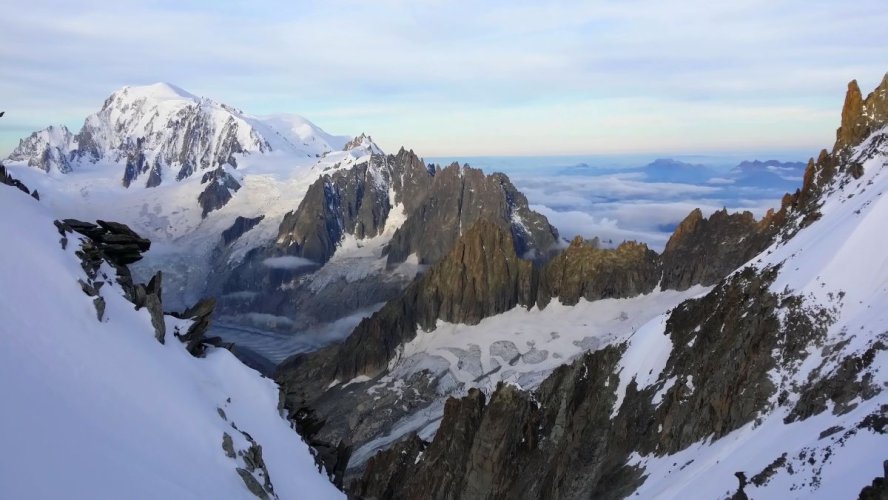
(755, 173)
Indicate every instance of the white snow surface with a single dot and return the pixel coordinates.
(101, 409)
(843, 252)
(284, 155)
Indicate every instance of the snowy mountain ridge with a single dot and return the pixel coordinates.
(167, 133)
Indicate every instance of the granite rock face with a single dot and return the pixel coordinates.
(586, 271)
(353, 201)
(239, 227)
(861, 117)
(456, 199)
(438, 205)
(703, 251)
(220, 186)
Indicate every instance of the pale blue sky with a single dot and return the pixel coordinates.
(452, 78)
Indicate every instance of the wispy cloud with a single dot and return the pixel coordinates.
(455, 77)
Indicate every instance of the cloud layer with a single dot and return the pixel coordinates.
(288, 262)
(628, 206)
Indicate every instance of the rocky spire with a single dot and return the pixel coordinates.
(861, 117)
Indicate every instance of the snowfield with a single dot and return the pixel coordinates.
(101, 409)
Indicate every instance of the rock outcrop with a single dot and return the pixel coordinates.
(353, 201)
(438, 204)
(586, 271)
(119, 246)
(456, 198)
(220, 186)
(195, 338)
(861, 117)
(703, 251)
(240, 227)
(9, 180)
(117, 242)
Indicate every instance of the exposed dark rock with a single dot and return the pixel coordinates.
(228, 445)
(252, 484)
(136, 163)
(220, 185)
(439, 204)
(740, 494)
(861, 117)
(240, 226)
(117, 242)
(88, 289)
(255, 466)
(830, 431)
(9, 180)
(585, 271)
(480, 277)
(703, 251)
(878, 490)
(153, 301)
(768, 472)
(851, 379)
(201, 314)
(99, 302)
(453, 201)
(356, 142)
(386, 471)
(155, 176)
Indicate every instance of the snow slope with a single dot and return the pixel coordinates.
(839, 262)
(101, 409)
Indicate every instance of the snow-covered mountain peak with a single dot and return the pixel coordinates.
(157, 91)
(160, 133)
(45, 149)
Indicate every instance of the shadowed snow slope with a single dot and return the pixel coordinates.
(100, 409)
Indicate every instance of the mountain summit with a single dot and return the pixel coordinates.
(165, 133)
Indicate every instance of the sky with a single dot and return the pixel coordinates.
(455, 78)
